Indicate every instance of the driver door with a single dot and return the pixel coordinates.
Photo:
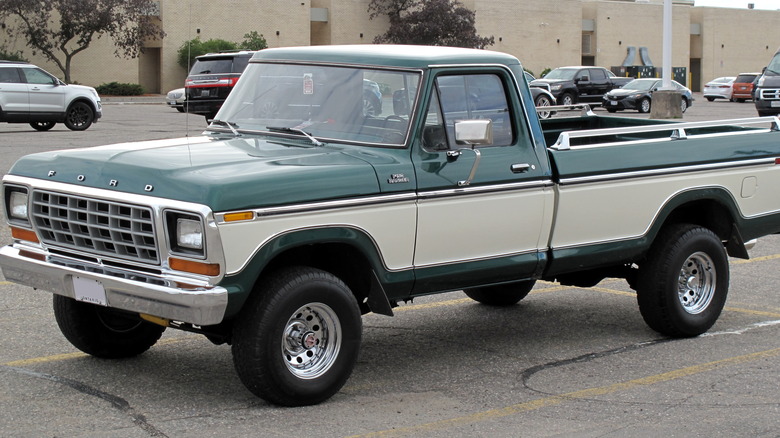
(481, 209)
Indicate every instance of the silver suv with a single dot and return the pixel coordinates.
(29, 94)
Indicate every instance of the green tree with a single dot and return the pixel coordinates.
(253, 41)
(428, 22)
(61, 29)
(195, 47)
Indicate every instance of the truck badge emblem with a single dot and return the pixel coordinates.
(52, 173)
(148, 188)
(81, 178)
(397, 178)
(113, 183)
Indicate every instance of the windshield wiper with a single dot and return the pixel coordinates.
(232, 126)
(314, 141)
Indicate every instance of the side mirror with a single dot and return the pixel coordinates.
(474, 132)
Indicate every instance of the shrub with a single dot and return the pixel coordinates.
(195, 47)
(117, 89)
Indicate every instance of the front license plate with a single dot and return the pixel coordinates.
(613, 102)
(775, 103)
(89, 291)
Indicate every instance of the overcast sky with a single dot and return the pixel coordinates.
(759, 4)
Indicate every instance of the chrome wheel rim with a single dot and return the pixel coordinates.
(542, 102)
(311, 341)
(697, 283)
(645, 105)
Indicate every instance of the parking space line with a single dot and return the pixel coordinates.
(553, 400)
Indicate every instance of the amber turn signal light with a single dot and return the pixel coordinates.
(22, 234)
(210, 269)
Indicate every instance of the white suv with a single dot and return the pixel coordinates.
(28, 94)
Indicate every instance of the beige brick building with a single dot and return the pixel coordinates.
(708, 42)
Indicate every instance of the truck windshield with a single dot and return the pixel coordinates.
(774, 65)
(351, 104)
(566, 74)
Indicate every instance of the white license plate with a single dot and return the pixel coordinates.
(774, 103)
(205, 93)
(89, 291)
(612, 102)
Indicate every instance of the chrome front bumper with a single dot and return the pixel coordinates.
(136, 293)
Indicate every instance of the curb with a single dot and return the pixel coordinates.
(123, 100)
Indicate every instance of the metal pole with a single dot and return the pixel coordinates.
(667, 55)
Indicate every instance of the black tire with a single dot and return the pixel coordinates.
(542, 101)
(102, 331)
(567, 99)
(741, 100)
(684, 104)
(644, 105)
(611, 110)
(42, 126)
(79, 116)
(711, 99)
(686, 308)
(180, 109)
(372, 107)
(766, 113)
(297, 338)
(501, 295)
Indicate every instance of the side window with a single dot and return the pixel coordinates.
(36, 76)
(467, 97)
(10, 76)
(582, 75)
(596, 74)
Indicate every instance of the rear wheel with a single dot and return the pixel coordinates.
(298, 337)
(682, 287)
(711, 99)
(79, 116)
(103, 331)
(684, 104)
(567, 99)
(501, 295)
(42, 126)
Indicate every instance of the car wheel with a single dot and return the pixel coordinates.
(682, 287)
(711, 99)
(765, 113)
(42, 126)
(79, 116)
(611, 110)
(298, 337)
(567, 99)
(644, 105)
(684, 104)
(543, 101)
(180, 109)
(741, 100)
(370, 105)
(102, 331)
(501, 295)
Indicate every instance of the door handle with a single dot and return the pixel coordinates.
(521, 168)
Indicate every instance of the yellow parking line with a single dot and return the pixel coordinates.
(757, 259)
(553, 400)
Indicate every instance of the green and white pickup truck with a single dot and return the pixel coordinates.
(298, 210)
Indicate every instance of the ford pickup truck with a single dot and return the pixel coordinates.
(296, 211)
(580, 84)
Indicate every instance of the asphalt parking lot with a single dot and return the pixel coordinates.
(564, 362)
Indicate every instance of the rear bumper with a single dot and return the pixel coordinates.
(131, 291)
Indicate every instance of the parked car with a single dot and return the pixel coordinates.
(638, 95)
(767, 89)
(719, 88)
(742, 88)
(541, 98)
(29, 94)
(580, 84)
(176, 98)
(211, 79)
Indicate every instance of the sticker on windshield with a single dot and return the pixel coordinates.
(308, 83)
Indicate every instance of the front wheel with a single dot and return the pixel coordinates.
(298, 337)
(42, 126)
(102, 331)
(543, 101)
(502, 294)
(644, 105)
(684, 104)
(682, 287)
(79, 116)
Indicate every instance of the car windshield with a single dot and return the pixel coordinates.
(325, 103)
(561, 73)
(640, 85)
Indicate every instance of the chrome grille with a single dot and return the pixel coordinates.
(769, 93)
(95, 226)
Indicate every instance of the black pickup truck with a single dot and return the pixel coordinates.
(579, 84)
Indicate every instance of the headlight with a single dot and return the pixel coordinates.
(760, 81)
(185, 234)
(17, 205)
(555, 87)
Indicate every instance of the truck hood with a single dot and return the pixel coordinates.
(224, 174)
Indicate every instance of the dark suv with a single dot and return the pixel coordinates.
(211, 79)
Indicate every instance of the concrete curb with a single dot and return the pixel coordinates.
(123, 100)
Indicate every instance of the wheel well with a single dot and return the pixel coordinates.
(707, 213)
(85, 100)
(342, 260)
